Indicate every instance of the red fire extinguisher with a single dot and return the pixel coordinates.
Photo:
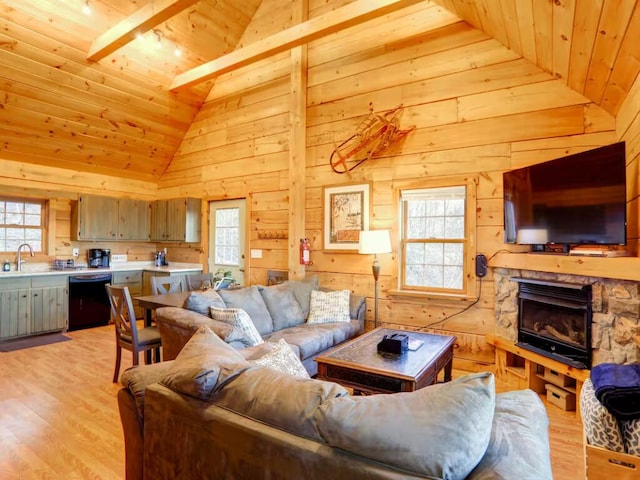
(305, 252)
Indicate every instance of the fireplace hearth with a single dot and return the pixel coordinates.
(554, 319)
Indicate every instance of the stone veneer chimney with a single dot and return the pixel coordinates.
(615, 330)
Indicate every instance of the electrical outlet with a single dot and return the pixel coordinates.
(76, 252)
(119, 258)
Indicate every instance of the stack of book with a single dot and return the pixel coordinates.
(597, 252)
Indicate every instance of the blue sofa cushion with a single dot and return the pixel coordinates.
(302, 290)
(519, 439)
(250, 300)
(312, 339)
(282, 305)
(278, 399)
(440, 431)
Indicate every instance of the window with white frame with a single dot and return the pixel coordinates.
(437, 226)
(227, 230)
(21, 221)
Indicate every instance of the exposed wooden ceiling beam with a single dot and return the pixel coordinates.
(144, 19)
(330, 22)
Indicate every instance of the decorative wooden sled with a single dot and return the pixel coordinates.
(372, 137)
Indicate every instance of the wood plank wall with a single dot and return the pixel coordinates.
(628, 129)
(478, 107)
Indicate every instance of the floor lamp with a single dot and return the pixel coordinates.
(374, 242)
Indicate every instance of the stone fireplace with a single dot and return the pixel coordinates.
(614, 317)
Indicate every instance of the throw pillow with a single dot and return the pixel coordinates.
(205, 363)
(519, 440)
(302, 290)
(201, 301)
(439, 432)
(631, 436)
(278, 399)
(238, 318)
(283, 358)
(601, 428)
(282, 305)
(329, 307)
(250, 300)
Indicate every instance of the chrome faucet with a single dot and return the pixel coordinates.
(19, 262)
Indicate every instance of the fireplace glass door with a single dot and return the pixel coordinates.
(555, 320)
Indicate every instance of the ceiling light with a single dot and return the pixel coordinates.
(86, 9)
(177, 52)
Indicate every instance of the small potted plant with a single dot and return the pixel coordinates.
(223, 279)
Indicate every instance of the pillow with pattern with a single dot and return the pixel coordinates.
(283, 358)
(329, 307)
(238, 318)
(631, 436)
(601, 429)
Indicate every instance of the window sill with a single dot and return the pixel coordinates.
(431, 295)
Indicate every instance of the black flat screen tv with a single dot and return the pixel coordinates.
(579, 199)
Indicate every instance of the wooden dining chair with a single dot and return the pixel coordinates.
(197, 281)
(275, 277)
(164, 285)
(127, 334)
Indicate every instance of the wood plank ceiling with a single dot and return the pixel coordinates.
(591, 45)
(118, 116)
(115, 116)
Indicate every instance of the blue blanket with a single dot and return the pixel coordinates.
(617, 387)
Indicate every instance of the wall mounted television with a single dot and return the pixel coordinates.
(579, 199)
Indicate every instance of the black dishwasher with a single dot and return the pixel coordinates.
(88, 301)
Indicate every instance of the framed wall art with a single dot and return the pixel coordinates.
(346, 211)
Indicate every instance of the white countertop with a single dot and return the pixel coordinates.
(38, 269)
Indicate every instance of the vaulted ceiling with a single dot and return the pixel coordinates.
(117, 114)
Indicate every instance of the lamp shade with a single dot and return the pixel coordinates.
(374, 241)
(532, 236)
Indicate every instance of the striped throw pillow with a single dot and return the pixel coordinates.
(240, 319)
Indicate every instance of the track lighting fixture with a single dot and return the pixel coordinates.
(159, 36)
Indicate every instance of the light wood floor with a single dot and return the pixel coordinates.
(59, 416)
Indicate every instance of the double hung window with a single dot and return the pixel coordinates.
(22, 221)
(437, 238)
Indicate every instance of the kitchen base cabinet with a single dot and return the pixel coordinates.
(49, 304)
(30, 306)
(14, 313)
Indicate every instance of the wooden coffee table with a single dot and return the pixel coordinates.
(357, 364)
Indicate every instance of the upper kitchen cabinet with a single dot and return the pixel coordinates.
(108, 218)
(133, 219)
(176, 219)
(94, 218)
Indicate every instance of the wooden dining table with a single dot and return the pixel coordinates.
(150, 302)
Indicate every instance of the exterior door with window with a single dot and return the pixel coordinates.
(227, 222)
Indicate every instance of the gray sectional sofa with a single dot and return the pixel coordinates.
(213, 414)
(278, 312)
